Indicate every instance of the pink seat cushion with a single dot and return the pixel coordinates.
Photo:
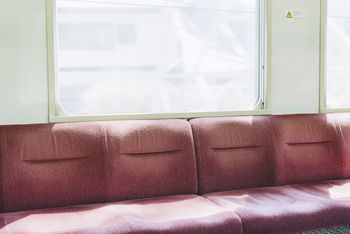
(149, 158)
(174, 214)
(50, 165)
(53, 165)
(289, 208)
(306, 148)
(233, 152)
(343, 121)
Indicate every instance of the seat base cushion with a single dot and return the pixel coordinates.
(173, 214)
(290, 208)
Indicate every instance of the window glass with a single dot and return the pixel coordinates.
(157, 56)
(338, 54)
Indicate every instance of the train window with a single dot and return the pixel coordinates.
(158, 56)
(337, 55)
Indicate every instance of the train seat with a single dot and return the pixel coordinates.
(64, 178)
(280, 174)
(252, 174)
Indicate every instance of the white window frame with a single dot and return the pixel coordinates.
(323, 64)
(262, 107)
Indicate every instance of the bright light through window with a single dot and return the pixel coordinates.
(157, 56)
(338, 51)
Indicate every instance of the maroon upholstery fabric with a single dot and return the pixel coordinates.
(233, 152)
(343, 123)
(54, 165)
(51, 165)
(174, 214)
(289, 208)
(306, 148)
(149, 158)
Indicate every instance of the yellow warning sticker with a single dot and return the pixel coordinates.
(295, 15)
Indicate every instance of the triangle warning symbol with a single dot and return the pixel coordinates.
(289, 15)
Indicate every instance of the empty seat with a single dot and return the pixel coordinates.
(51, 165)
(233, 152)
(238, 153)
(55, 165)
(289, 208)
(173, 214)
(149, 158)
(306, 148)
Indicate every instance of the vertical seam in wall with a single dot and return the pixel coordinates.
(47, 61)
(322, 56)
(268, 55)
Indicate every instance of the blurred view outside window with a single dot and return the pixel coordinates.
(159, 56)
(338, 54)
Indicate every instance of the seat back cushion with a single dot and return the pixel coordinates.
(306, 148)
(51, 165)
(149, 158)
(343, 124)
(233, 152)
